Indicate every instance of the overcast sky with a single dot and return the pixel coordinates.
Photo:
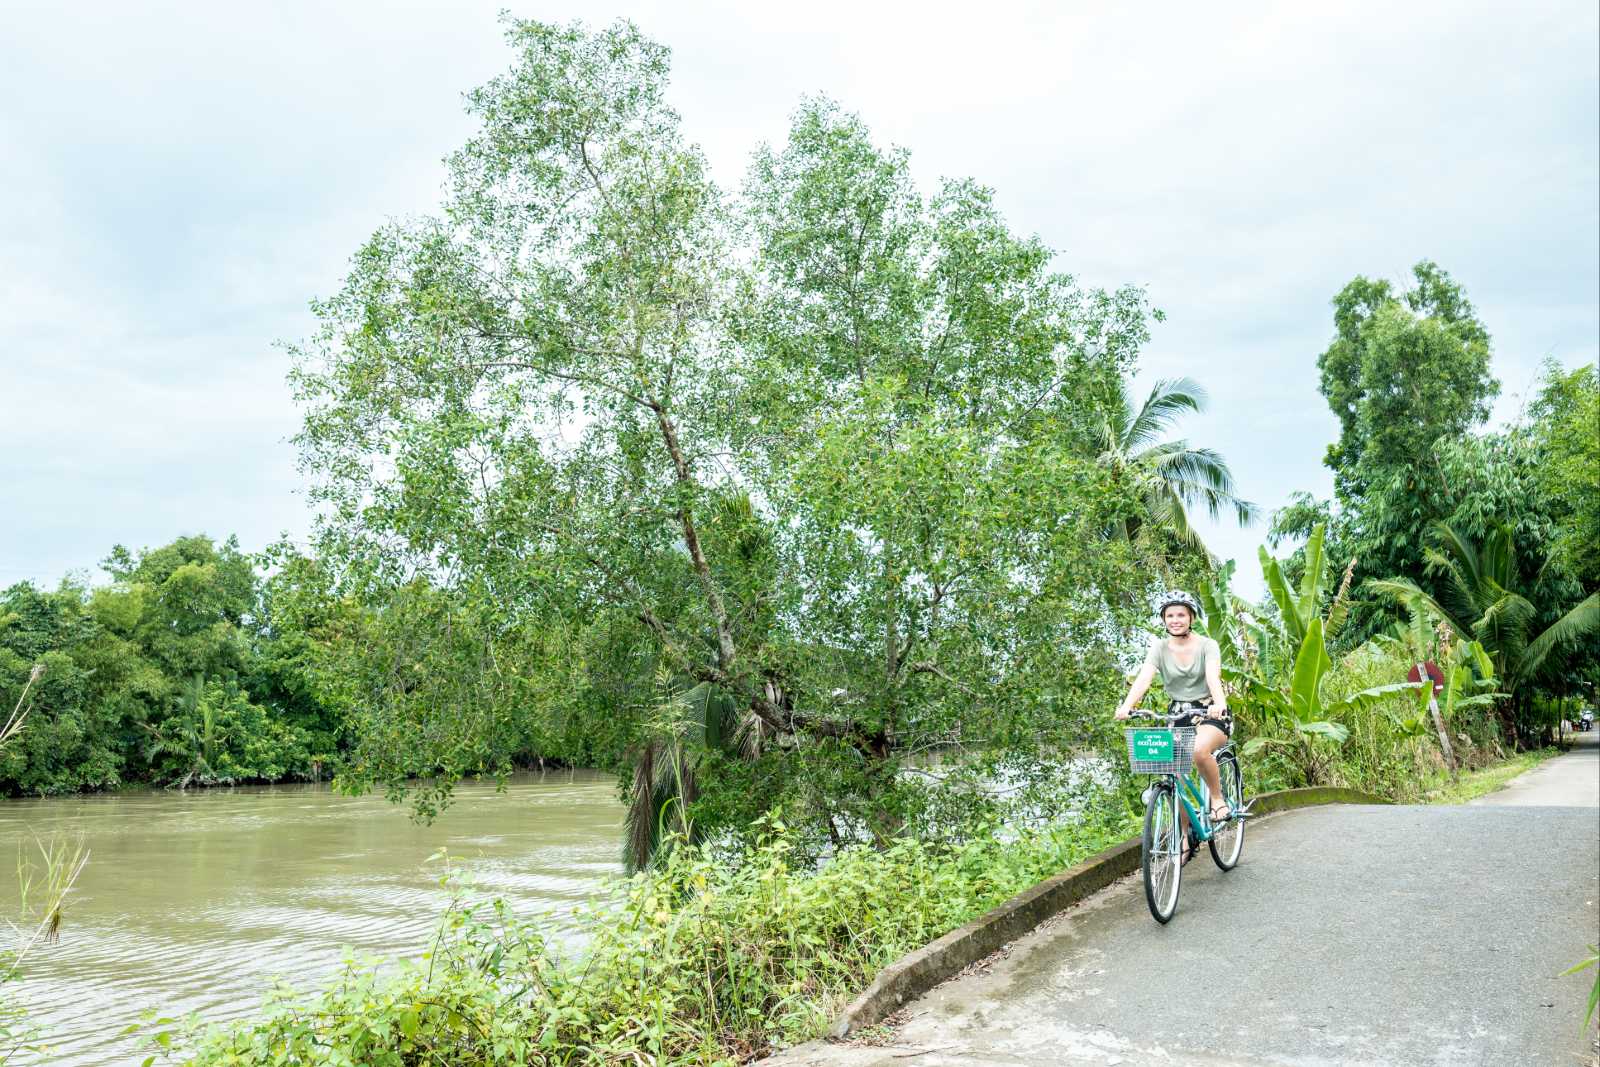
(180, 179)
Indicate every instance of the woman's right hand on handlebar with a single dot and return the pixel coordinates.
(1124, 713)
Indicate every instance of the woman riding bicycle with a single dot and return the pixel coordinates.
(1191, 672)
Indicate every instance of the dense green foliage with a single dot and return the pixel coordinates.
(1404, 370)
(165, 675)
(189, 667)
(1308, 718)
(691, 963)
(1484, 587)
(1422, 492)
(1407, 375)
(825, 457)
(1565, 432)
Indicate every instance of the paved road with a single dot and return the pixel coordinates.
(1565, 780)
(1346, 936)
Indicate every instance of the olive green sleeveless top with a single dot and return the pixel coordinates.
(1181, 682)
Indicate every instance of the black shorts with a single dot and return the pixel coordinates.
(1197, 715)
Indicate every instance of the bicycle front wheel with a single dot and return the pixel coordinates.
(1228, 841)
(1161, 852)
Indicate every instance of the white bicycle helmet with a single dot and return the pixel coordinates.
(1178, 596)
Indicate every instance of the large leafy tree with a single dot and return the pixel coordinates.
(1173, 477)
(1404, 370)
(1565, 425)
(1407, 375)
(928, 387)
(837, 487)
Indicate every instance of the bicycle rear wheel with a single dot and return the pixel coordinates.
(1161, 852)
(1228, 841)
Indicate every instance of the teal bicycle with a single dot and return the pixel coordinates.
(1168, 753)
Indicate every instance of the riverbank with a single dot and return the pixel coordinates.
(196, 901)
(325, 775)
(696, 963)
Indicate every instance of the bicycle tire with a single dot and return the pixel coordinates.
(1161, 853)
(1227, 844)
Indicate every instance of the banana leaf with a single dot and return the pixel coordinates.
(1278, 586)
(1334, 731)
(1311, 581)
(1367, 697)
(1312, 663)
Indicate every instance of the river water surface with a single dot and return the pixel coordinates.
(192, 902)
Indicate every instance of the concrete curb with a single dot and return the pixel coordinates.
(1289, 799)
(914, 974)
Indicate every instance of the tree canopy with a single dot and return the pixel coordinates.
(827, 447)
(1404, 370)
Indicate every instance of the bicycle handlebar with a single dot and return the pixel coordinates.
(1140, 713)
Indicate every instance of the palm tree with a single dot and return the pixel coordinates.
(666, 764)
(1481, 598)
(690, 720)
(1172, 476)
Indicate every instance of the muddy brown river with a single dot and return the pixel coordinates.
(193, 902)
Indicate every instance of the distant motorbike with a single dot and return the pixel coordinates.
(1585, 721)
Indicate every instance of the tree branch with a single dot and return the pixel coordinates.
(930, 667)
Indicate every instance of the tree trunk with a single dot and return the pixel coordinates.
(691, 541)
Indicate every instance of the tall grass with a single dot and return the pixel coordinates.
(43, 884)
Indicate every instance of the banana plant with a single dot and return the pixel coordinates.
(1218, 623)
(1302, 704)
(1299, 700)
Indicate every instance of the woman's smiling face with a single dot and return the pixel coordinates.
(1177, 619)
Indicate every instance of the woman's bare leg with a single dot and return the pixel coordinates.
(1207, 739)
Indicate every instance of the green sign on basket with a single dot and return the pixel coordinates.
(1152, 745)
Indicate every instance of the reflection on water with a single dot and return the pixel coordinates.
(193, 901)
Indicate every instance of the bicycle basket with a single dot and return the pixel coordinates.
(1160, 751)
